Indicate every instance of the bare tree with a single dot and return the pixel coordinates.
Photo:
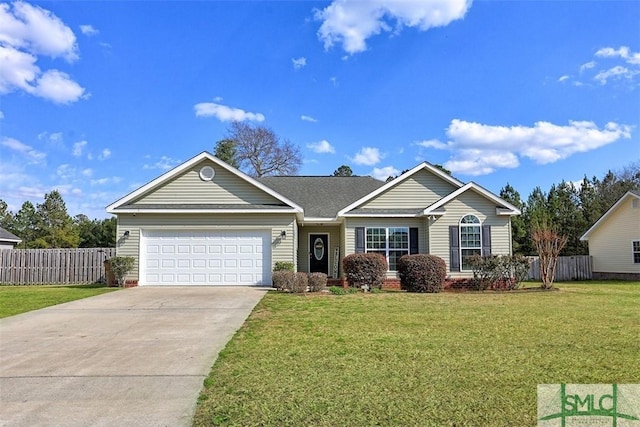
(548, 243)
(260, 152)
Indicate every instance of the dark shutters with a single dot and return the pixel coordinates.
(486, 240)
(454, 248)
(359, 240)
(413, 241)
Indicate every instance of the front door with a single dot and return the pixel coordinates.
(319, 253)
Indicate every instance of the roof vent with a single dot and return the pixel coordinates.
(207, 173)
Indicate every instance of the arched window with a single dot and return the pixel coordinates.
(470, 239)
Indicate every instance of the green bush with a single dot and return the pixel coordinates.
(499, 272)
(368, 270)
(283, 280)
(121, 266)
(283, 266)
(422, 273)
(317, 282)
(300, 283)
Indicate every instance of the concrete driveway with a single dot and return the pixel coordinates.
(135, 357)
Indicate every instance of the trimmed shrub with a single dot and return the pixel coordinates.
(317, 282)
(422, 273)
(368, 270)
(283, 266)
(498, 272)
(300, 283)
(283, 280)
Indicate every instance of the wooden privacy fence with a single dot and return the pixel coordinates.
(53, 266)
(569, 268)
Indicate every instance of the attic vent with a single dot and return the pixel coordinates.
(207, 173)
(636, 203)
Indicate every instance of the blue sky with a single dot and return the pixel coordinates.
(97, 98)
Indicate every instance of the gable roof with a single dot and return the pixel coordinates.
(424, 165)
(322, 196)
(629, 194)
(503, 208)
(121, 205)
(6, 236)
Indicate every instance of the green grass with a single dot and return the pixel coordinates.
(418, 359)
(20, 299)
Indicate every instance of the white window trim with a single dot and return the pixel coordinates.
(387, 249)
(460, 225)
(633, 251)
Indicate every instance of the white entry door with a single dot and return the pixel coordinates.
(199, 257)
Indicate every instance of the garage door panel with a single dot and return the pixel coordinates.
(206, 257)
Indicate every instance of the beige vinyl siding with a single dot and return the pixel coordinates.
(303, 248)
(419, 191)
(281, 249)
(352, 223)
(225, 189)
(610, 243)
(467, 203)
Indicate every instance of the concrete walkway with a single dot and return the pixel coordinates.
(135, 357)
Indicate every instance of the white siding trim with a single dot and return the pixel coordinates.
(398, 180)
(585, 236)
(113, 208)
(512, 210)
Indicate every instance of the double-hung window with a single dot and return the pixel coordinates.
(470, 241)
(635, 249)
(390, 242)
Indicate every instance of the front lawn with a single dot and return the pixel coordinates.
(420, 359)
(19, 299)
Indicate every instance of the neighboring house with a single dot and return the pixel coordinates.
(205, 222)
(8, 240)
(614, 240)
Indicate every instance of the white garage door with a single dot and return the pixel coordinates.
(205, 257)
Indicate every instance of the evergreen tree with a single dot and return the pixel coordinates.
(518, 226)
(56, 227)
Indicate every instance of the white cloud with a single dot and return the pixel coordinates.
(32, 155)
(66, 172)
(617, 72)
(321, 147)
(351, 22)
(619, 65)
(87, 172)
(334, 81)
(299, 62)
(383, 173)
(308, 119)
(432, 143)
(164, 163)
(106, 180)
(563, 78)
(78, 147)
(27, 32)
(104, 154)
(1, 115)
(37, 31)
(480, 149)
(58, 87)
(367, 156)
(225, 113)
(622, 52)
(587, 66)
(89, 30)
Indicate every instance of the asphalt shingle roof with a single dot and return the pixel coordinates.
(322, 196)
(7, 236)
